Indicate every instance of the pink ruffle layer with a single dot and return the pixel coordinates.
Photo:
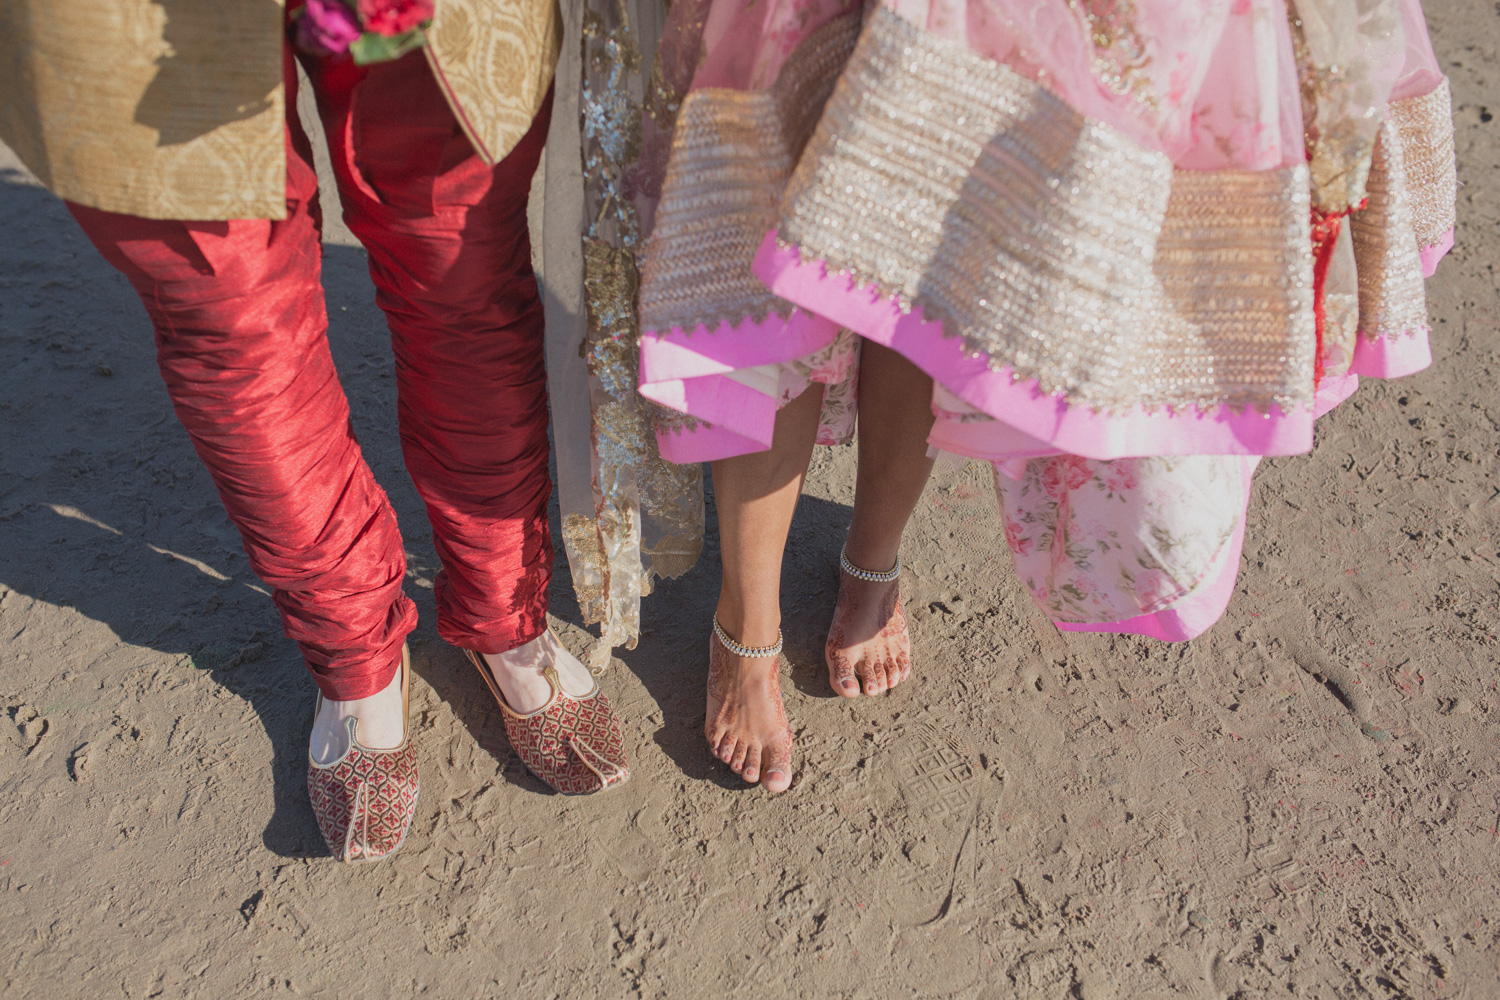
(1396, 357)
(1022, 405)
(688, 371)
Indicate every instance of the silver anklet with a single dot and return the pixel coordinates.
(867, 575)
(746, 652)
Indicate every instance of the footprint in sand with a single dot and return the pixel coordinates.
(31, 727)
(930, 795)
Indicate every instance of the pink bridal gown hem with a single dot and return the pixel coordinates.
(1088, 222)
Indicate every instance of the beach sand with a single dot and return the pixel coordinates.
(1305, 801)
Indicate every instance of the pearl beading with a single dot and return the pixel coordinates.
(746, 652)
(867, 575)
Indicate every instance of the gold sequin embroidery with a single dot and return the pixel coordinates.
(1120, 57)
(1340, 49)
(731, 156)
(1425, 125)
(1392, 293)
(648, 512)
(1051, 244)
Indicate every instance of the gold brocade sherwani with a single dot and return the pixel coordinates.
(174, 109)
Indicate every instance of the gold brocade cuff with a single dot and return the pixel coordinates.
(1392, 292)
(1425, 125)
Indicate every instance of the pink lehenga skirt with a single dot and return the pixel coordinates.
(1137, 246)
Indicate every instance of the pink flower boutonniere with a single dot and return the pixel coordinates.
(369, 31)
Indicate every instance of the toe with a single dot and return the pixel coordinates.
(874, 677)
(737, 762)
(751, 773)
(841, 674)
(726, 748)
(903, 669)
(778, 761)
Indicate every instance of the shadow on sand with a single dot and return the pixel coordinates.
(105, 508)
(99, 474)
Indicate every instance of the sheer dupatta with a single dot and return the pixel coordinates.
(628, 516)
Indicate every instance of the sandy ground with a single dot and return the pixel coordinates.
(1303, 802)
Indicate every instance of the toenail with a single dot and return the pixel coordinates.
(847, 683)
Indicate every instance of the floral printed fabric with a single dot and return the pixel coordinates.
(1093, 541)
(837, 368)
(1103, 541)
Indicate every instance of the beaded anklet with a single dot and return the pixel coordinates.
(866, 575)
(747, 652)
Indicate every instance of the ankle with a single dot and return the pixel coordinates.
(749, 628)
(872, 555)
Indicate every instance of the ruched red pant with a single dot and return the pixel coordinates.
(241, 335)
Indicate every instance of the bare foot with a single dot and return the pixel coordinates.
(381, 722)
(867, 640)
(522, 673)
(746, 724)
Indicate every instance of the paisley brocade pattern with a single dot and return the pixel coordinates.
(494, 61)
(178, 111)
(115, 106)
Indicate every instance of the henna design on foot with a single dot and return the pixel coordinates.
(868, 639)
(746, 724)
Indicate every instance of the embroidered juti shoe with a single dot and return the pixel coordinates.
(572, 743)
(365, 800)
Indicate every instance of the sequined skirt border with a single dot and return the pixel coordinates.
(1040, 265)
(1404, 229)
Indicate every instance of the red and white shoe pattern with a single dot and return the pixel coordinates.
(365, 801)
(572, 743)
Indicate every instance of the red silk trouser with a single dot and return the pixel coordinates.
(241, 336)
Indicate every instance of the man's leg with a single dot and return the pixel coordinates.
(451, 259)
(241, 341)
